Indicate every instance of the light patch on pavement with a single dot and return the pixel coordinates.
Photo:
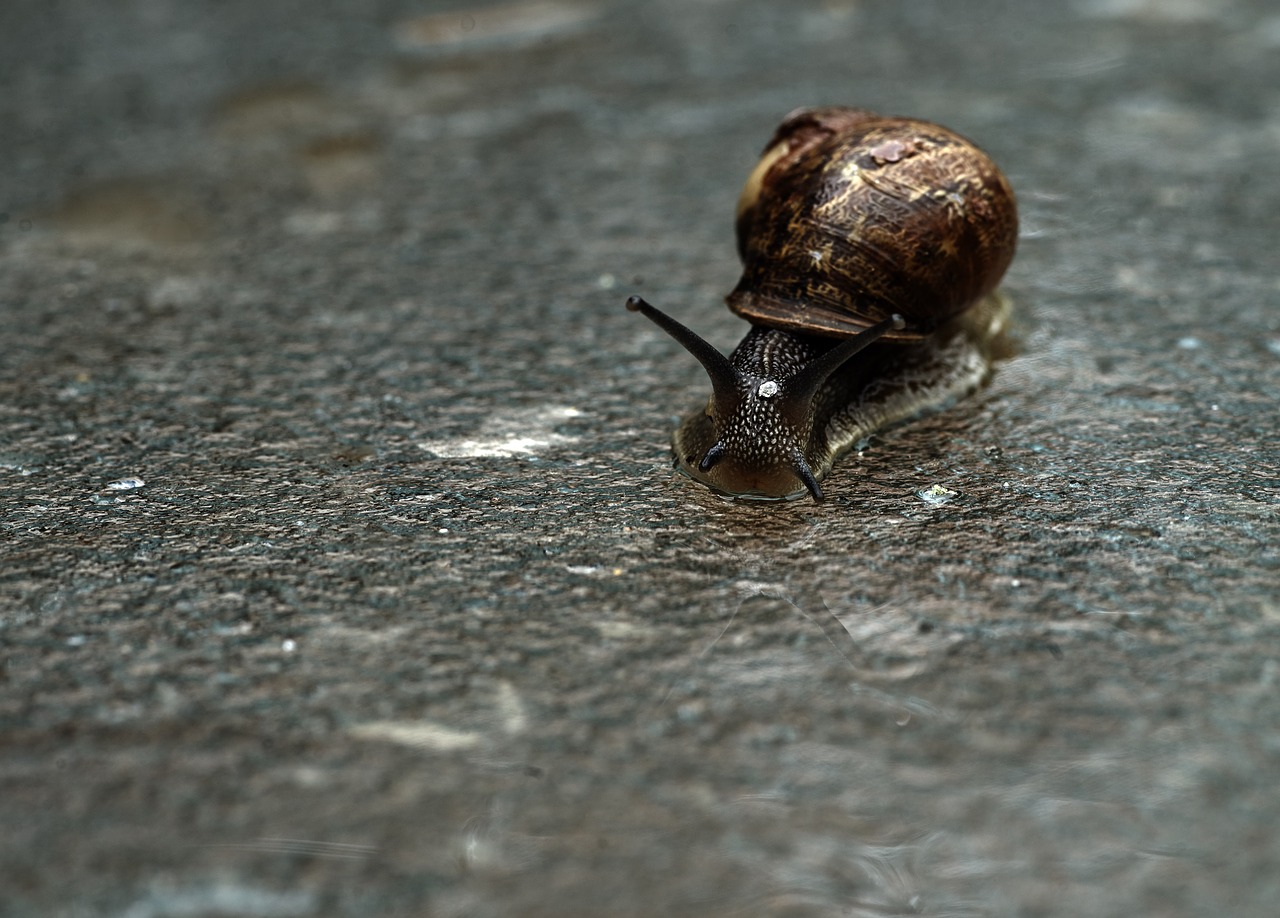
(419, 734)
(523, 432)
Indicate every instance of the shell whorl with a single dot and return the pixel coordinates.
(851, 217)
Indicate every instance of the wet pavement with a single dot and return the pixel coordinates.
(342, 567)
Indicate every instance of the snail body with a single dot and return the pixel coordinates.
(883, 238)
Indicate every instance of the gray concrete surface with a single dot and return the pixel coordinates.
(342, 571)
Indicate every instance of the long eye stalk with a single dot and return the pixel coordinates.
(805, 384)
(724, 380)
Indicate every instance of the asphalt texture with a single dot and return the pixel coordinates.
(342, 567)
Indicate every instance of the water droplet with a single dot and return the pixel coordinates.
(125, 484)
(289, 645)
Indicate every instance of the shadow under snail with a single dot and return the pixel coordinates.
(862, 235)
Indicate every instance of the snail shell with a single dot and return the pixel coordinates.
(859, 235)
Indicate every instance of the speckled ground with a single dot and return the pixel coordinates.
(342, 569)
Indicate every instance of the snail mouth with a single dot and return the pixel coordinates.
(740, 490)
(694, 443)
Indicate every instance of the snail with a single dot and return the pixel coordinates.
(860, 235)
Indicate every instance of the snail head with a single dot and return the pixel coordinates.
(754, 439)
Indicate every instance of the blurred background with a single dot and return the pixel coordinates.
(342, 567)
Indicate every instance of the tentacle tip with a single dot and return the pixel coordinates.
(806, 475)
(714, 455)
(899, 323)
(635, 303)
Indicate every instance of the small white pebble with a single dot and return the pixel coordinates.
(936, 494)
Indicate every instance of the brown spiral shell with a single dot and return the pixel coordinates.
(851, 217)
